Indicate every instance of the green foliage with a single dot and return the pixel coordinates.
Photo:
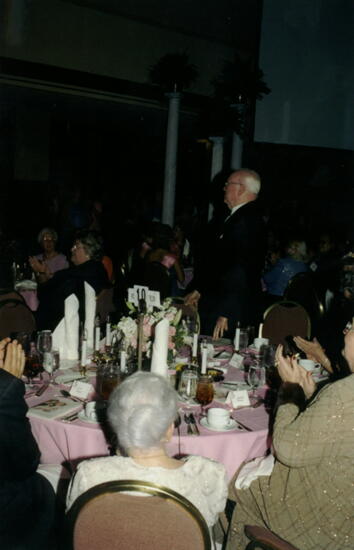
(173, 72)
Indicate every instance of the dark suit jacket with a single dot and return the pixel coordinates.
(26, 498)
(232, 287)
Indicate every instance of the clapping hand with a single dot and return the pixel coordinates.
(314, 351)
(290, 371)
(12, 357)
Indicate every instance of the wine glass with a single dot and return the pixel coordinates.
(254, 377)
(205, 392)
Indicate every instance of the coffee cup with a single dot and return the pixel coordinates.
(218, 418)
(91, 411)
(259, 342)
(308, 364)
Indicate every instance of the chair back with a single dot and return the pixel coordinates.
(15, 316)
(151, 518)
(301, 289)
(264, 539)
(284, 319)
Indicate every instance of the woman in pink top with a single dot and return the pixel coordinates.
(46, 264)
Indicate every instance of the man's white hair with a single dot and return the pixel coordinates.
(251, 180)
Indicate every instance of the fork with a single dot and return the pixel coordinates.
(194, 423)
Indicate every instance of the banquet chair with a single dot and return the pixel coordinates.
(262, 538)
(301, 289)
(284, 319)
(106, 516)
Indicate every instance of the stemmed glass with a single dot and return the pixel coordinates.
(44, 346)
(254, 377)
(205, 392)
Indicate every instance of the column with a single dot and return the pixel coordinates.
(217, 158)
(236, 152)
(168, 205)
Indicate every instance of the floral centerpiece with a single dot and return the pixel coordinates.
(127, 328)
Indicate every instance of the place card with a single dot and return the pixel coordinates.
(81, 389)
(236, 361)
(238, 398)
(53, 408)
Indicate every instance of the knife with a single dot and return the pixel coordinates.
(41, 390)
(243, 425)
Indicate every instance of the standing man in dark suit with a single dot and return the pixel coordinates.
(27, 500)
(231, 291)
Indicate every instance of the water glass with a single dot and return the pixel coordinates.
(243, 342)
(187, 387)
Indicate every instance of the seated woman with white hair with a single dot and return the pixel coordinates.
(141, 412)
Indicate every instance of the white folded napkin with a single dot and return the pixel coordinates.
(90, 314)
(66, 334)
(261, 466)
(160, 348)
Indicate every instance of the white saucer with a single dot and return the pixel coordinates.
(82, 416)
(232, 426)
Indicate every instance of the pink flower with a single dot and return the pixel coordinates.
(172, 331)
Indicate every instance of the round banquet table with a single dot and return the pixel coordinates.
(72, 442)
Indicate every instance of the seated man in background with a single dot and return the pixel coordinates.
(277, 278)
(27, 500)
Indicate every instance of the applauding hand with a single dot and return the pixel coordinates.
(290, 371)
(14, 361)
(314, 351)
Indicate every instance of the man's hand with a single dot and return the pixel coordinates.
(290, 371)
(192, 298)
(14, 362)
(220, 327)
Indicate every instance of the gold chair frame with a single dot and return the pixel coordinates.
(131, 485)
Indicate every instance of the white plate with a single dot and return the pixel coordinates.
(68, 378)
(82, 416)
(232, 426)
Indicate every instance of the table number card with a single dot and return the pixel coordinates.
(81, 389)
(152, 297)
(238, 398)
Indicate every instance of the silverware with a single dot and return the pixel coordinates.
(187, 420)
(67, 394)
(194, 423)
(243, 425)
(70, 418)
(178, 422)
(73, 380)
(41, 390)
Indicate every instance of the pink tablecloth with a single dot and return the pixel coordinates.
(60, 442)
